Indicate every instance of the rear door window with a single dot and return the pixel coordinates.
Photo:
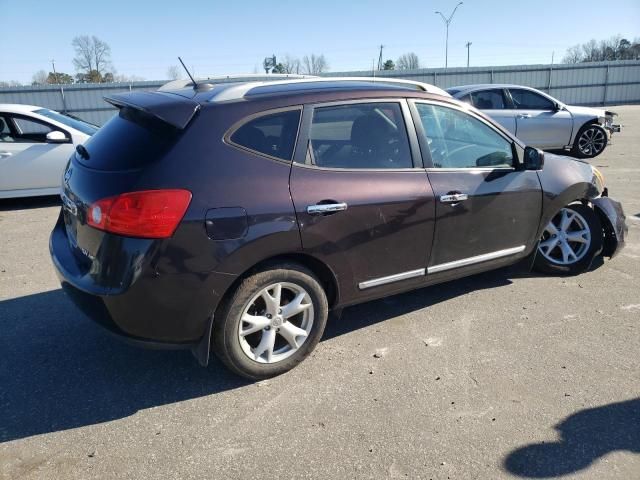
(488, 99)
(359, 135)
(272, 134)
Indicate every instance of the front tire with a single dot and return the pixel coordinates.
(273, 321)
(570, 241)
(590, 141)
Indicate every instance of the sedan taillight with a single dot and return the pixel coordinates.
(144, 214)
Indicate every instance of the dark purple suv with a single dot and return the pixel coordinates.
(235, 216)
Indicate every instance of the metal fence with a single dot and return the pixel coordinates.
(599, 83)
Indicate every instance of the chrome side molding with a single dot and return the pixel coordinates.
(391, 278)
(477, 259)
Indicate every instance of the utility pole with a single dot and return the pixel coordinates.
(380, 58)
(468, 44)
(447, 21)
(55, 78)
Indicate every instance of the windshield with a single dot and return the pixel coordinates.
(76, 123)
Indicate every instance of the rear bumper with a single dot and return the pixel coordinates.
(614, 224)
(148, 308)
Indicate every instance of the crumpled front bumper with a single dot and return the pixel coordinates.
(614, 223)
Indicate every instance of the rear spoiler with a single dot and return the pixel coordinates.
(172, 109)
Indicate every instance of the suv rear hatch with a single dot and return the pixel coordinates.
(113, 162)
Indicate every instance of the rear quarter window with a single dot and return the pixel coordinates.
(272, 134)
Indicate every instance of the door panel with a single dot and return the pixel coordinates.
(386, 228)
(538, 123)
(362, 207)
(32, 165)
(502, 211)
(485, 208)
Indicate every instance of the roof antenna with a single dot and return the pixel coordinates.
(197, 87)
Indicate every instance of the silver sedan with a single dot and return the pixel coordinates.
(540, 120)
(35, 145)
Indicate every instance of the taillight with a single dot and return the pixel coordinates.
(146, 214)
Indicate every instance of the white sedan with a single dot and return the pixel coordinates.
(35, 145)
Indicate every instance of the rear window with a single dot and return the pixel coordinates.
(129, 140)
(271, 134)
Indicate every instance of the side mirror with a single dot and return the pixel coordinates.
(533, 159)
(57, 136)
(558, 107)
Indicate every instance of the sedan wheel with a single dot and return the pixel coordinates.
(570, 241)
(592, 140)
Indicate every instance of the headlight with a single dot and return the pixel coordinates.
(597, 179)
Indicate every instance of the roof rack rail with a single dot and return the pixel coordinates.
(238, 91)
(186, 82)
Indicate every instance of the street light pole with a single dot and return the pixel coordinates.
(447, 21)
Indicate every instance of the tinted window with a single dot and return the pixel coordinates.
(273, 134)
(527, 100)
(129, 140)
(488, 100)
(76, 123)
(30, 131)
(367, 135)
(458, 140)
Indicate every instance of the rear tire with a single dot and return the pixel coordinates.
(271, 323)
(590, 142)
(570, 241)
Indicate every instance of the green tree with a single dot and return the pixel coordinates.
(389, 65)
(59, 78)
(279, 68)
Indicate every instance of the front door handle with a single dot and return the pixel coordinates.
(454, 197)
(524, 115)
(326, 208)
(5, 154)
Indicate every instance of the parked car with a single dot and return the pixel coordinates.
(35, 145)
(237, 215)
(540, 120)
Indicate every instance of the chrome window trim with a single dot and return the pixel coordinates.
(477, 259)
(391, 278)
(226, 138)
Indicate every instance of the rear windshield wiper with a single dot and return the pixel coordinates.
(83, 152)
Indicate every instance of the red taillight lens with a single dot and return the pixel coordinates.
(145, 214)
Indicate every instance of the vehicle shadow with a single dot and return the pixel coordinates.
(59, 371)
(585, 437)
(27, 203)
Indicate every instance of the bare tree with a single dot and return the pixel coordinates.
(10, 83)
(174, 73)
(92, 55)
(314, 64)
(408, 61)
(291, 64)
(39, 78)
(573, 55)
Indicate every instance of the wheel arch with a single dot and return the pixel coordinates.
(322, 271)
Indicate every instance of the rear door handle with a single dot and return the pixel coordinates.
(524, 115)
(5, 154)
(454, 197)
(326, 208)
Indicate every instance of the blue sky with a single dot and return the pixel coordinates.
(233, 37)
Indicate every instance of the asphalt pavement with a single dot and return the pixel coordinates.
(500, 375)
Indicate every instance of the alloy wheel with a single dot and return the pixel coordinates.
(276, 322)
(566, 239)
(592, 141)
